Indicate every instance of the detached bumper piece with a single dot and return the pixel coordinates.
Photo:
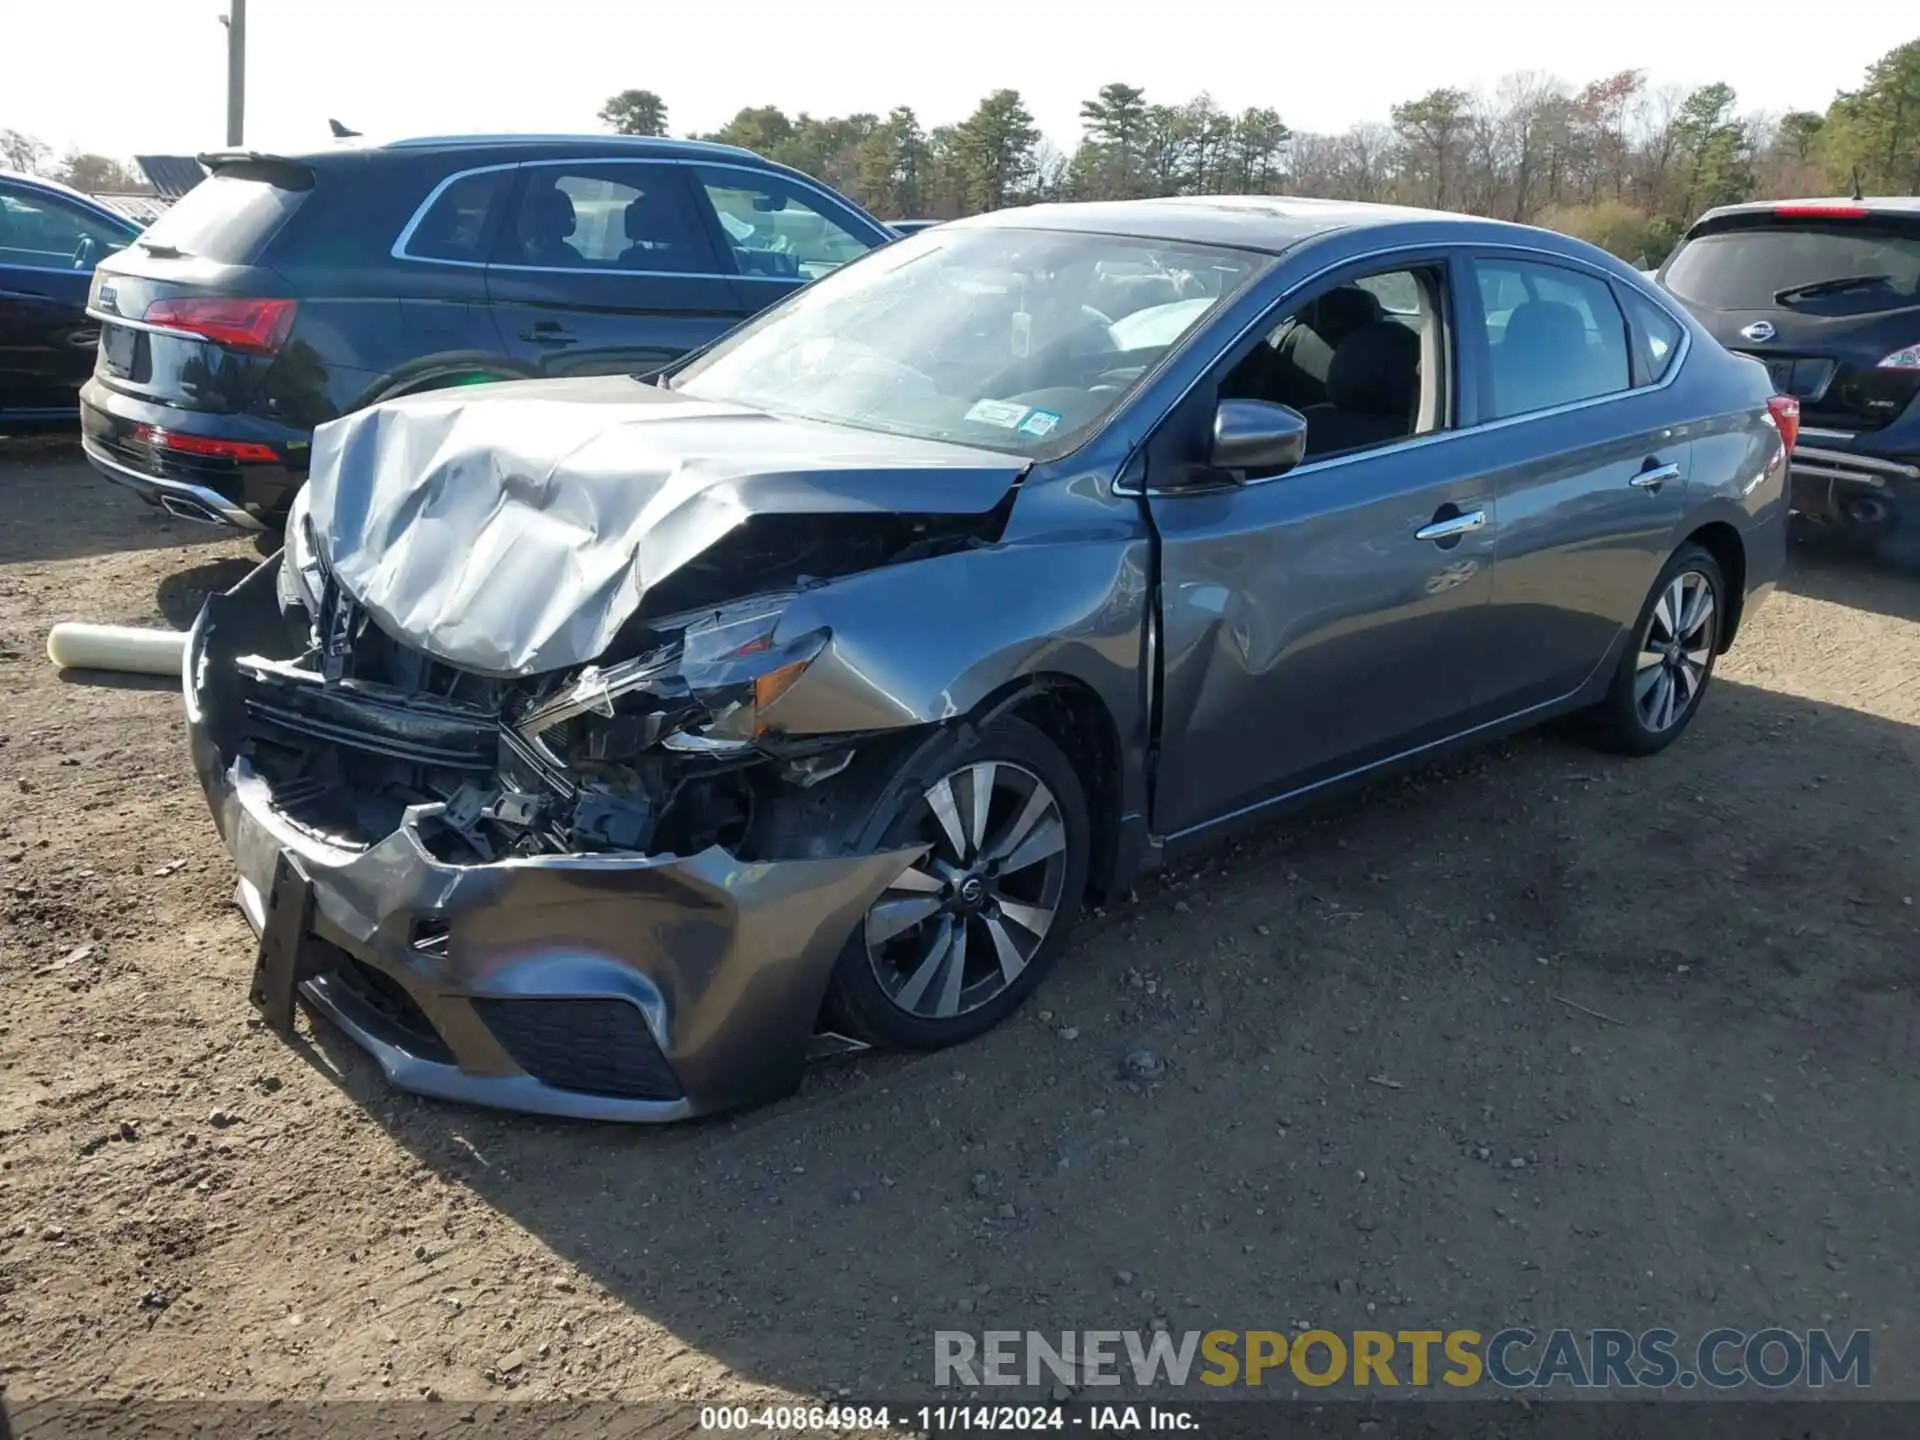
(1850, 488)
(606, 986)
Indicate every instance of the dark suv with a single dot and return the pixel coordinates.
(286, 290)
(1827, 294)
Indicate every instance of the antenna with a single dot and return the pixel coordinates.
(340, 132)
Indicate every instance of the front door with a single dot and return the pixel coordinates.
(1320, 621)
(604, 267)
(48, 249)
(780, 234)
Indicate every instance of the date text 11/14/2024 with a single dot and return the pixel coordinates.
(944, 1419)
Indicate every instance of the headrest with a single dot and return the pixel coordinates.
(1376, 369)
(550, 214)
(1545, 327)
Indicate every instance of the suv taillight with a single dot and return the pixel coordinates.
(1904, 359)
(253, 327)
(1785, 411)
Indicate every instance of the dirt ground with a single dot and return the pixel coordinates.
(1388, 1099)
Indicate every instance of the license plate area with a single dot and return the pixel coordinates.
(120, 349)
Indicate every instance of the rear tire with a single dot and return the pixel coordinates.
(1663, 676)
(966, 934)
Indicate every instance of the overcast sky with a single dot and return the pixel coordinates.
(126, 76)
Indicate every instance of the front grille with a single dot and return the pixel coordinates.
(597, 1047)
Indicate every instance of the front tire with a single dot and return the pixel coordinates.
(1664, 674)
(962, 937)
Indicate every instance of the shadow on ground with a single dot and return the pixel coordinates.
(1825, 570)
(1541, 1038)
(57, 507)
(180, 596)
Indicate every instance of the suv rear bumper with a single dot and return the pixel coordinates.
(1864, 481)
(248, 496)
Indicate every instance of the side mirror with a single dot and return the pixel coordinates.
(1254, 435)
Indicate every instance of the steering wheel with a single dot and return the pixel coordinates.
(84, 253)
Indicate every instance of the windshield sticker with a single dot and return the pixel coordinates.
(1001, 413)
(1039, 423)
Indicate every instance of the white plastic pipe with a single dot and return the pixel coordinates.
(73, 646)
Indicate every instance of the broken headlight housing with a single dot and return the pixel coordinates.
(707, 690)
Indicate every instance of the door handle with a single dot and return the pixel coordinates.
(1654, 478)
(1453, 525)
(547, 333)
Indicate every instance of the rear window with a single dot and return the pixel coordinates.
(228, 217)
(1855, 268)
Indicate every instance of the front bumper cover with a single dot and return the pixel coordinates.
(504, 984)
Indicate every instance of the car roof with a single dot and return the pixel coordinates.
(67, 192)
(510, 146)
(1905, 205)
(1269, 223)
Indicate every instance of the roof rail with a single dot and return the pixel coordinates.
(603, 138)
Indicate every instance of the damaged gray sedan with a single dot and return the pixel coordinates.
(605, 747)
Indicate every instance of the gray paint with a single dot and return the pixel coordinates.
(1250, 644)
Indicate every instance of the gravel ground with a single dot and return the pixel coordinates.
(1537, 1038)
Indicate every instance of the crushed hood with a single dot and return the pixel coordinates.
(513, 529)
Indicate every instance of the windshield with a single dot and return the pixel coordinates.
(1007, 339)
(1761, 269)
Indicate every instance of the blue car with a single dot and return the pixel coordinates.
(51, 237)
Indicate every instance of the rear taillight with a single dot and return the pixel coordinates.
(1785, 411)
(1907, 359)
(253, 327)
(246, 451)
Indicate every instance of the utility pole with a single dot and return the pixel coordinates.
(236, 22)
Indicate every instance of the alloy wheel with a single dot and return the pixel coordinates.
(959, 926)
(1675, 652)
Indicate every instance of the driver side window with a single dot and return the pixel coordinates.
(43, 233)
(1363, 360)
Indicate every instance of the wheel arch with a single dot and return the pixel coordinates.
(1722, 541)
(1071, 714)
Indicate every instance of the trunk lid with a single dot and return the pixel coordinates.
(1820, 295)
(211, 243)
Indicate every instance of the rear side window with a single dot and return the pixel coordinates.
(1554, 336)
(461, 222)
(1656, 335)
(1838, 267)
(605, 217)
(230, 216)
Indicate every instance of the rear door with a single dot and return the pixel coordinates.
(606, 267)
(48, 250)
(778, 232)
(1822, 294)
(1587, 467)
